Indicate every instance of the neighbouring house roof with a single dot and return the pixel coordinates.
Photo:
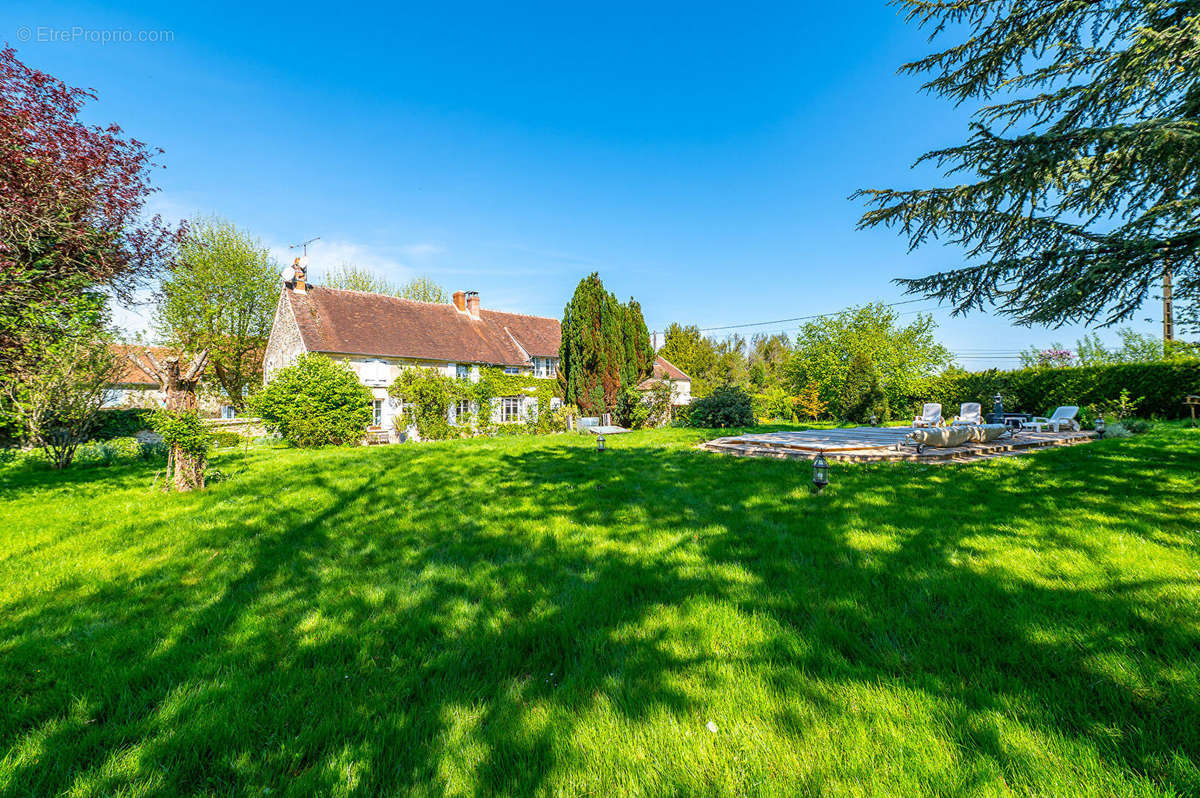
(663, 369)
(131, 374)
(353, 322)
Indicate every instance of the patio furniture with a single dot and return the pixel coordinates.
(969, 413)
(1061, 417)
(931, 415)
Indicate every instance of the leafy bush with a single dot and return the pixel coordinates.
(1116, 431)
(773, 404)
(153, 451)
(430, 393)
(1161, 385)
(315, 402)
(1137, 426)
(122, 423)
(631, 412)
(127, 448)
(862, 393)
(726, 406)
(225, 439)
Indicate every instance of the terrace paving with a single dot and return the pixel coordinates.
(881, 444)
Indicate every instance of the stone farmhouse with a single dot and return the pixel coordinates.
(379, 335)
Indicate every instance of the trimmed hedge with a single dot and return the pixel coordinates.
(1040, 390)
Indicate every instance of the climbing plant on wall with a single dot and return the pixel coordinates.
(431, 393)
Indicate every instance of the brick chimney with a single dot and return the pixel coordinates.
(299, 284)
(473, 304)
(460, 301)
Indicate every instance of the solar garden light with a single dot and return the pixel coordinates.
(600, 442)
(820, 473)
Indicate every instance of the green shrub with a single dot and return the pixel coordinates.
(315, 402)
(726, 406)
(1161, 387)
(631, 412)
(773, 404)
(121, 423)
(862, 393)
(1137, 426)
(225, 439)
(127, 448)
(1116, 431)
(153, 451)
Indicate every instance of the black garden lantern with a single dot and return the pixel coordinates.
(820, 473)
(1100, 425)
(600, 442)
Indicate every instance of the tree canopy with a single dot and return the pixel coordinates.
(1080, 176)
(901, 355)
(72, 197)
(220, 294)
(354, 278)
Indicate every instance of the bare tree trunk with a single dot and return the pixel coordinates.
(185, 470)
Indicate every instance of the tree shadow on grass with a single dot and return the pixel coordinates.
(437, 620)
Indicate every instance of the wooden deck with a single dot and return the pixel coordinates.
(879, 444)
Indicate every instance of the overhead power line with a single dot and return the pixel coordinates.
(799, 318)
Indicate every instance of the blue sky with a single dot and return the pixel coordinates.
(698, 156)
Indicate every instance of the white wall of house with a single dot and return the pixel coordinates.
(681, 392)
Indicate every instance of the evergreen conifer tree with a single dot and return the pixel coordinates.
(1079, 187)
(605, 347)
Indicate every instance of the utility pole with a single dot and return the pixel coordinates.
(1168, 310)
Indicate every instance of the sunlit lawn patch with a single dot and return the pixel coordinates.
(527, 615)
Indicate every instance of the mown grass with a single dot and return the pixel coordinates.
(526, 616)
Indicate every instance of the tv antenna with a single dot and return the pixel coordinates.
(304, 245)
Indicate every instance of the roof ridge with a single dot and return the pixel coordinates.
(385, 296)
(523, 315)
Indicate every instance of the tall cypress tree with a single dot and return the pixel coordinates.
(605, 347)
(639, 351)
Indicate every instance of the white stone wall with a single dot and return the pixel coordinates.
(285, 344)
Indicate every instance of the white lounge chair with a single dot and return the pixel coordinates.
(1061, 417)
(970, 413)
(931, 415)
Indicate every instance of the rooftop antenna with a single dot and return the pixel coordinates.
(304, 245)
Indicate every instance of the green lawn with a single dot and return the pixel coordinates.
(526, 616)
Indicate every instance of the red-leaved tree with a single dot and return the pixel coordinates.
(71, 202)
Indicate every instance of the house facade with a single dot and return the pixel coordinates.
(378, 336)
(667, 372)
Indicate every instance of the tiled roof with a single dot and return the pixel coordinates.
(663, 369)
(131, 374)
(353, 322)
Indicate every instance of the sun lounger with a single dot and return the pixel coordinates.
(969, 413)
(1061, 417)
(931, 416)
